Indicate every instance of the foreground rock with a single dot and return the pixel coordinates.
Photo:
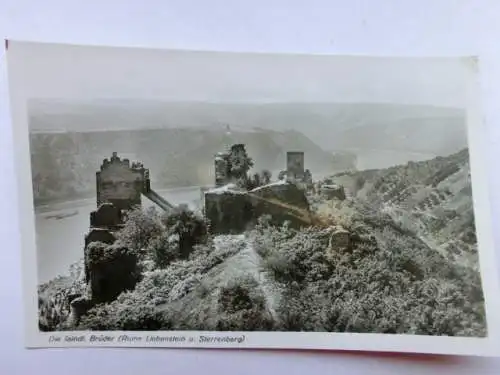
(111, 270)
(331, 191)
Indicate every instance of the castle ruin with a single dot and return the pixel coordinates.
(120, 186)
(232, 207)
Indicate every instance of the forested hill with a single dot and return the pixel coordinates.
(432, 198)
(64, 164)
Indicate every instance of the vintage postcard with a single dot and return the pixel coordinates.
(242, 200)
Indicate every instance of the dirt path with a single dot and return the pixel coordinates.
(248, 262)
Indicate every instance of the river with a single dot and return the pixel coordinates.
(60, 241)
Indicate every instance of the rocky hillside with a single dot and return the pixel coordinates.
(274, 278)
(64, 164)
(431, 198)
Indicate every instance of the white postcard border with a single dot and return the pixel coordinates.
(21, 91)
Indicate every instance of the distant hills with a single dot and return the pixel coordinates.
(332, 126)
(177, 140)
(434, 135)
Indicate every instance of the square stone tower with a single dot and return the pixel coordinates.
(295, 166)
(120, 183)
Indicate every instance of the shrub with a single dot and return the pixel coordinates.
(54, 298)
(242, 307)
(291, 255)
(139, 229)
(136, 309)
(390, 282)
(149, 304)
(189, 229)
(164, 249)
(136, 317)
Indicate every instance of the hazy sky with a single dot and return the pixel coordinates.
(75, 72)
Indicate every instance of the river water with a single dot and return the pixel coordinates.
(60, 239)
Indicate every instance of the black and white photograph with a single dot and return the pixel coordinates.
(236, 194)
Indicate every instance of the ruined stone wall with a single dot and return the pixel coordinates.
(228, 212)
(289, 193)
(283, 202)
(111, 270)
(107, 215)
(235, 212)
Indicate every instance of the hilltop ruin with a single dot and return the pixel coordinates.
(232, 206)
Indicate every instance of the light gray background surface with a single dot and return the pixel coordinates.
(384, 27)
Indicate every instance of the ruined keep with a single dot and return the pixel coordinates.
(109, 267)
(295, 171)
(123, 184)
(120, 183)
(295, 166)
(120, 186)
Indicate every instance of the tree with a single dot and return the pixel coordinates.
(239, 163)
(189, 229)
(265, 177)
(140, 227)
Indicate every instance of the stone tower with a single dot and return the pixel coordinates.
(120, 183)
(295, 165)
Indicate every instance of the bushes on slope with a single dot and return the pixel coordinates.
(393, 284)
(242, 307)
(148, 305)
(55, 296)
(139, 229)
